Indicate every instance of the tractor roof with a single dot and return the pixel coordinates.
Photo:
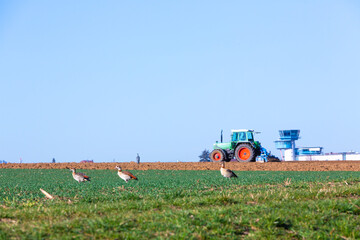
(242, 130)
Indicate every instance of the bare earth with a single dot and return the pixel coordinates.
(270, 166)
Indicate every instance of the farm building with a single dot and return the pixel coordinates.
(86, 161)
(289, 152)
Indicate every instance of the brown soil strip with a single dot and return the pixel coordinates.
(253, 166)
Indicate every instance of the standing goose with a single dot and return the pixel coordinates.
(126, 176)
(80, 177)
(226, 172)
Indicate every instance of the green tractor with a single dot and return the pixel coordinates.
(242, 147)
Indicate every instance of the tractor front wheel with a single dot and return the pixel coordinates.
(244, 153)
(217, 155)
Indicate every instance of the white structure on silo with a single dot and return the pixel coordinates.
(286, 145)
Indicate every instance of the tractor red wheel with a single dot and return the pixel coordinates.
(217, 155)
(244, 153)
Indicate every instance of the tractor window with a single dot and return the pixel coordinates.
(250, 136)
(242, 136)
(234, 137)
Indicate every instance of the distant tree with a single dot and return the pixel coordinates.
(204, 157)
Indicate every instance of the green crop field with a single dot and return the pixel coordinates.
(166, 204)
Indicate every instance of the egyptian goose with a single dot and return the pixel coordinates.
(226, 172)
(80, 177)
(126, 176)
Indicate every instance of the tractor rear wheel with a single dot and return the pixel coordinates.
(244, 153)
(217, 155)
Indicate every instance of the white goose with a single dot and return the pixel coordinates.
(125, 175)
(80, 177)
(226, 172)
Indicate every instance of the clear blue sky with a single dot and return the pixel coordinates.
(105, 80)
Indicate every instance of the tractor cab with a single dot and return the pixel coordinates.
(242, 135)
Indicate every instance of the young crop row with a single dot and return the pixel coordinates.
(23, 184)
(180, 205)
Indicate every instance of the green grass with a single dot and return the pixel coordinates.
(179, 205)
